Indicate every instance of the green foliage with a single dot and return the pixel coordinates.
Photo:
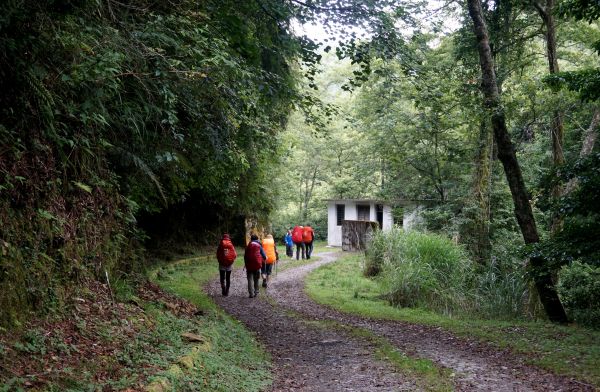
(428, 271)
(580, 9)
(421, 270)
(585, 82)
(111, 110)
(502, 291)
(579, 289)
(579, 236)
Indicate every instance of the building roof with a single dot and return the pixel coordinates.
(360, 200)
(396, 202)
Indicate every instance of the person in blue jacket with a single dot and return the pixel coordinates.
(289, 244)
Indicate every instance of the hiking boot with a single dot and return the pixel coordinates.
(264, 284)
(251, 296)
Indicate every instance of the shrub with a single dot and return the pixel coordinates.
(421, 270)
(579, 289)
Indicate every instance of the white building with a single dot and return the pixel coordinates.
(355, 209)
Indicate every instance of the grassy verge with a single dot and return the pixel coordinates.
(566, 350)
(235, 361)
(137, 340)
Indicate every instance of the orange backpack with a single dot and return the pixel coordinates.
(269, 247)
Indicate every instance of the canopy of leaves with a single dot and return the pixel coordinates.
(585, 81)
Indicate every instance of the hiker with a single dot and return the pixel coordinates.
(254, 257)
(226, 255)
(308, 236)
(270, 248)
(297, 239)
(289, 244)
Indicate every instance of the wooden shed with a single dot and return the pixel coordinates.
(356, 234)
(364, 210)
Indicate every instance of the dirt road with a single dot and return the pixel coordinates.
(311, 354)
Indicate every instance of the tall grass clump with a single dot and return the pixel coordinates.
(421, 270)
(502, 291)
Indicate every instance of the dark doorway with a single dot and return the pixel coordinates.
(340, 213)
(379, 209)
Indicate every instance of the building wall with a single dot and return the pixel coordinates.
(334, 232)
(388, 219)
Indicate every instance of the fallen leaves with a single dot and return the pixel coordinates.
(92, 342)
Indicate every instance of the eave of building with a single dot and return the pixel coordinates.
(398, 202)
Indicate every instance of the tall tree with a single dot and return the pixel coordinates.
(546, 12)
(506, 154)
(481, 244)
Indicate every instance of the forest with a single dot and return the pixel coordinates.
(131, 130)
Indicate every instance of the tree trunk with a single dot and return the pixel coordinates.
(506, 154)
(589, 139)
(591, 135)
(556, 125)
(481, 245)
(308, 191)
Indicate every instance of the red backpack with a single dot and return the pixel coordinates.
(308, 234)
(252, 258)
(297, 234)
(226, 253)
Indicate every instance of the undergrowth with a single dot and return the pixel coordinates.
(137, 341)
(429, 271)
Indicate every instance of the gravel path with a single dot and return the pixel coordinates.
(310, 357)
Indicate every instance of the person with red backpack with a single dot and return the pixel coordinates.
(226, 255)
(308, 236)
(297, 238)
(254, 257)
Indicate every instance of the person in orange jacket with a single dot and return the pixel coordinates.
(308, 237)
(226, 256)
(268, 244)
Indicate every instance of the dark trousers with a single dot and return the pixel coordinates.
(309, 249)
(225, 277)
(253, 277)
(289, 250)
(298, 247)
